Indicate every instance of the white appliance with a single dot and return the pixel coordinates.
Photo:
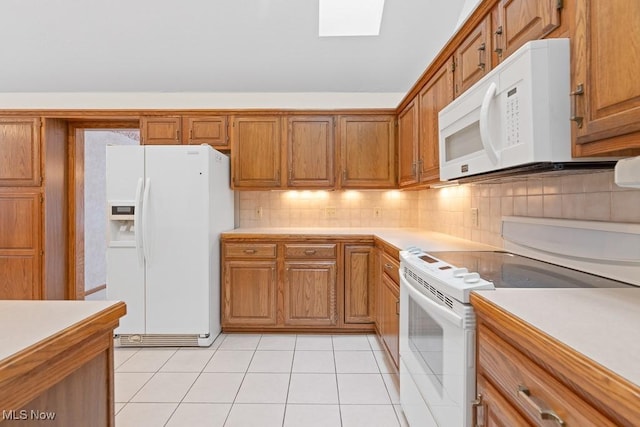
(167, 206)
(437, 323)
(516, 115)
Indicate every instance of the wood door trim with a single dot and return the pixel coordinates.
(95, 290)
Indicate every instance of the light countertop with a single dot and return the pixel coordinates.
(398, 237)
(26, 323)
(602, 324)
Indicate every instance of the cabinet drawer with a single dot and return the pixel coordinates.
(250, 250)
(529, 388)
(310, 251)
(390, 266)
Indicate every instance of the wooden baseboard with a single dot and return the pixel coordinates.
(94, 290)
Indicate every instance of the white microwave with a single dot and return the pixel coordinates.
(516, 115)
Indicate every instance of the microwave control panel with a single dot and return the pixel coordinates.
(512, 118)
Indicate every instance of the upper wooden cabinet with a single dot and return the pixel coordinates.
(20, 152)
(408, 141)
(256, 143)
(519, 21)
(472, 59)
(160, 130)
(435, 95)
(367, 151)
(210, 130)
(606, 90)
(310, 151)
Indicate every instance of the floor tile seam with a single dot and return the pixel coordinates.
(125, 360)
(244, 375)
(140, 388)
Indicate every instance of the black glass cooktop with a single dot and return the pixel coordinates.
(507, 270)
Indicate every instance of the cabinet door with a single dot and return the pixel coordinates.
(473, 57)
(408, 132)
(389, 295)
(523, 20)
(20, 152)
(436, 94)
(160, 130)
(249, 293)
(495, 410)
(210, 130)
(367, 148)
(310, 293)
(20, 254)
(310, 152)
(359, 271)
(255, 152)
(605, 64)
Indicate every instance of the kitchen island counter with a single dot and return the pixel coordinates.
(56, 360)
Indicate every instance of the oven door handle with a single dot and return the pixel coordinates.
(429, 305)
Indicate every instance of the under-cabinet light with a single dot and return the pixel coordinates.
(445, 184)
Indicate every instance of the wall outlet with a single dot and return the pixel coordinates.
(474, 217)
(330, 212)
(377, 212)
(259, 212)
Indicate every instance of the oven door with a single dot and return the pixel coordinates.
(437, 360)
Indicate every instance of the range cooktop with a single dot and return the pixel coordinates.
(507, 270)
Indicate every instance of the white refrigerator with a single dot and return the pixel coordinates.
(167, 206)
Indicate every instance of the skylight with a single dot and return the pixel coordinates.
(350, 17)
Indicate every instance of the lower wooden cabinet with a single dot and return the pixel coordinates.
(493, 409)
(359, 298)
(297, 285)
(310, 293)
(389, 317)
(249, 293)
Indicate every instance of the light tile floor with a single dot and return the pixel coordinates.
(259, 380)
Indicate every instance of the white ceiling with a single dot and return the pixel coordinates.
(212, 46)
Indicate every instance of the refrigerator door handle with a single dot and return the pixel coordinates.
(145, 222)
(137, 220)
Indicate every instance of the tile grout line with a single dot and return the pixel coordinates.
(335, 369)
(244, 376)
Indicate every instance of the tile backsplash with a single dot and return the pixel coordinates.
(313, 208)
(586, 196)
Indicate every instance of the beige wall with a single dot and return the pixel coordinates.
(590, 196)
(587, 196)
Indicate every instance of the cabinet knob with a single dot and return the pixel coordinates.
(310, 252)
(250, 251)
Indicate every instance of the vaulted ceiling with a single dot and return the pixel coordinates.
(212, 46)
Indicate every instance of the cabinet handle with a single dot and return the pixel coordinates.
(250, 251)
(190, 134)
(476, 405)
(398, 307)
(481, 50)
(539, 405)
(414, 169)
(574, 117)
(177, 134)
(290, 175)
(388, 266)
(310, 252)
(344, 175)
(420, 163)
(498, 33)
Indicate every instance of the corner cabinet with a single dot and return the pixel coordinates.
(256, 143)
(605, 87)
(310, 152)
(408, 144)
(367, 151)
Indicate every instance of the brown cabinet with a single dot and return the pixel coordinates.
(606, 90)
(434, 96)
(519, 21)
(20, 152)
(310, 151)
(20, 249)
(210, 130)
(160, 130)
(408, 144)
(388, 303)
(249, 292)
(472, 59)
(310, 293)
(359, 298)
(367, 151)
(256, 143)
(526, 377)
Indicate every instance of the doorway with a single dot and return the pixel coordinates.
(87, 213)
